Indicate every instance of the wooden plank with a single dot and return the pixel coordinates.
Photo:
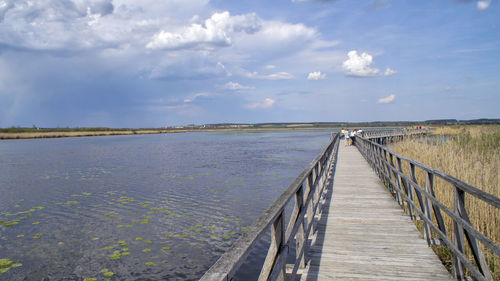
(365, 235)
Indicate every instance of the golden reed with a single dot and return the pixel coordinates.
(471, 154)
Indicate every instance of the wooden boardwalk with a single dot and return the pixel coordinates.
(363, 233)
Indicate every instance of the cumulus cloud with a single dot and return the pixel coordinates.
(362, 66)
(387, 99)
(235, 86)
(483, 4)
(267, 103)
(215, 31)
(359, 65)
(316, 75)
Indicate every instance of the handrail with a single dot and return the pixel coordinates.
(388, 165)
(307, 191)
(400, 132)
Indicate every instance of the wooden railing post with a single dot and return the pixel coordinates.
(473, 243)
(300, 238)
(407, 189)
(458, 238)
(429, 184)
(277, 238)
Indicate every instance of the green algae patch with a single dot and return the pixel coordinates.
(125, 253)
(37, 236)
(90, 279)
(149, 263)
(6, 264)
(165, 248)
(139, 238)
(108, 247)
(20, 236)
(146, 250)
(107, 273)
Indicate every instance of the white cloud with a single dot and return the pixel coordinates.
(483, 4)
(270, 66)
(316, 75)
(267, 103)
(235, 86)
(389, 72)
(362, 66)
(277, 76)
(215, 31)
(358, 65)
(387, 99)
(193, 98)
(274, 76)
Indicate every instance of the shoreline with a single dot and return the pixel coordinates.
(63, 134)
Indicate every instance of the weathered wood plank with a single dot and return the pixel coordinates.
(365, 235)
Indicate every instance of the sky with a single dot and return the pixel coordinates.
(152, 63)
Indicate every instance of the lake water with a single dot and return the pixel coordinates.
(140, 207)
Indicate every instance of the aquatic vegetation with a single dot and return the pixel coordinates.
(60, 243)
(233, 233)
(149, 241)
(125, 253)
(165, 248)
(149, 263)
(226, 236)
(108, 247)
(244, 229)
(183, 235)
(115, 256)
(107, 273)
(147, 250)
(139, 238)
(20, 236)
(37, 222)
(37, 236)
(169, 235)
(89, 279)
(6, 264)
(94, 238)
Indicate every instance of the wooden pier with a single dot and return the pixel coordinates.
(363, 234)
(347, 222)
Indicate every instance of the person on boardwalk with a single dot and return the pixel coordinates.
(342, 134)
(346, 136)
(351, 137)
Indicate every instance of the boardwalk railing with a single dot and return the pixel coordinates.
(306, 192)
(421, 200)
(389, 135)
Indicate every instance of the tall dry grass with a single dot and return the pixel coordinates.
(471, 154)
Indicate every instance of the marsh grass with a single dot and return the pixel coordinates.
(471, 154)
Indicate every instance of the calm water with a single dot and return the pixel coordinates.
(142, 207)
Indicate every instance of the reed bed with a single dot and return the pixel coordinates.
(62, 134)
(471, 154)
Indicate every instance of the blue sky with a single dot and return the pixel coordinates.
(151, 63)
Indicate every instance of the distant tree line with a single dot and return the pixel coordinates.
(440, 122)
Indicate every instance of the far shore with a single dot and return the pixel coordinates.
(65, 134)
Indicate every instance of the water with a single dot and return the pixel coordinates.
(141, 207)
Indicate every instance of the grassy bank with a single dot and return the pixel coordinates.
(62, 134)
(471, 154)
